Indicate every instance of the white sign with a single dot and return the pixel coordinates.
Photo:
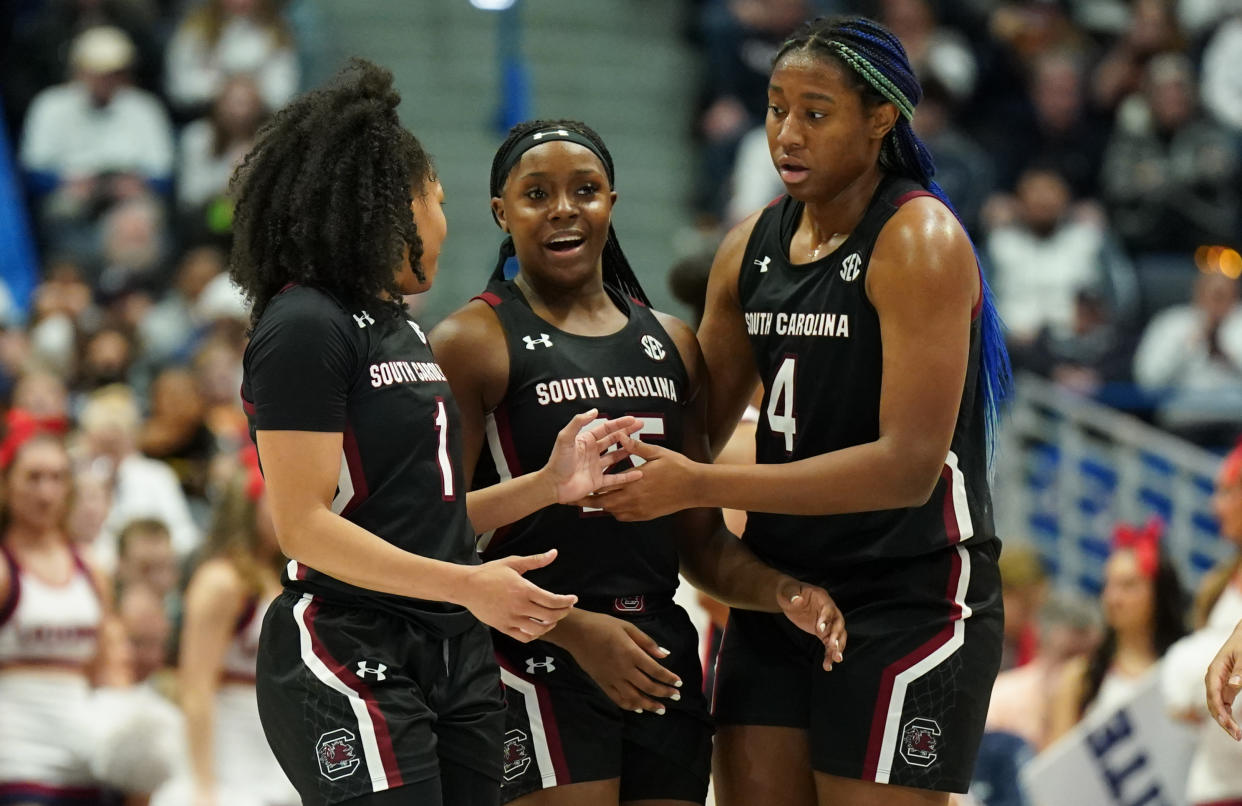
(1133, 755)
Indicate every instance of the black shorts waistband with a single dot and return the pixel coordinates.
(631, 605)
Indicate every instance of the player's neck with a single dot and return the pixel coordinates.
(586, 310)
(841, 214)
(33, 540)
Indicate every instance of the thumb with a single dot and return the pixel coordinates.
(530, 562)
(645, 642)
(581, 421)
(641, 449)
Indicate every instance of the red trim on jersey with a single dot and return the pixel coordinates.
(353, 460)
(638, 302)
(489, 298)
(879, 717)
(23, 791)
(352, 681)
(247, 406)
(507, 446)
(299, 571)
(775, 201)
(551, 731)
(950, 510)
(286, 287)
(913, 194)
(15, 586)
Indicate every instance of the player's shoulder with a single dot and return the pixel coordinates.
(923, 245)
(735, 241)
(308, 310)
(474, 325)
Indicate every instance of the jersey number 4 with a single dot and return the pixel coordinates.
(781, 418)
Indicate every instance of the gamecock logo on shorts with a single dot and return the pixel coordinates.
(919, 740)
(629, 604)
(338, 757)
(517, 759)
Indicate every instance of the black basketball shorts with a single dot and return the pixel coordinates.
(907, 705)
(561, 727)
(355, 700)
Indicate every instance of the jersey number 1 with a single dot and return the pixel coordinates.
(781, 397)
(446, 467)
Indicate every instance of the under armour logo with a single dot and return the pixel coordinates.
(850, 267)
(363, 319)
(418, 330)
(378, 671)
(763, 264)
(653, 348)
(546, 664)
(541, 135)
(543, 339)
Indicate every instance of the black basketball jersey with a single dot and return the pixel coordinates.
(315, 365)
(553, 376)
(816, 340)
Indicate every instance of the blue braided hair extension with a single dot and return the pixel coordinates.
(875, 56)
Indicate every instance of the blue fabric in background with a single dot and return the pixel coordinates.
(19, 266)
(514, 105)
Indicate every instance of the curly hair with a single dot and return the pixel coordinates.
(323, 198)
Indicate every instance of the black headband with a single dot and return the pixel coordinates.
(538, 138)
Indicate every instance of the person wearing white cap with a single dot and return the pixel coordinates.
(95, 139)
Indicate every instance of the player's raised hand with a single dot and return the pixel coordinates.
(500, 597)
(1223, 681)
(812, 610)
(621, 659)
(584, 451)
(667, 477)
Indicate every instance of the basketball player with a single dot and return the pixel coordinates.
(57, 633)
(376, 682)
(857, 300)
(579, 332)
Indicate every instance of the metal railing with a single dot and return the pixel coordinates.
(1067, 470)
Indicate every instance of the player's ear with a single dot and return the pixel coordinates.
(498, 213)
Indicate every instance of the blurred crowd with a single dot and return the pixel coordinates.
(1092, 148)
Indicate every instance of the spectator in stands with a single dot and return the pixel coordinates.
(170, 331)
(59, 639)
(1047, 253)
(92, 498)
(1190, 358)
(741, 37)
(211, 148)
(107, 355)
(229, 759)
(176, 431)
(1091, 357)
(222, 38)
(217, 366)
(148, 628)
(145, 558)
(42, 394)
(1144, 611)
(1021, 705)
(1221, 88)
(1152, 31)
(1170, 176)
(38, 56)
(1216, 767)
(965, 171)
(145, 488)
(1058, 130)
(936, 53)
(62, 305)
(1024, 586)
(94, 141)
(135, 244)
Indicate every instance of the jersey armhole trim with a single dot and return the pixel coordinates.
(490, 298)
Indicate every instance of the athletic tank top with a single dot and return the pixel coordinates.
(243, 650)
(816, 341)
(46, 624)
(553, 376)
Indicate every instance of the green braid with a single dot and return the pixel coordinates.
(875, 78)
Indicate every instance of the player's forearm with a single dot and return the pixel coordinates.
(723, 567)
(334, 546)
(509, 501)
(861, 478)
